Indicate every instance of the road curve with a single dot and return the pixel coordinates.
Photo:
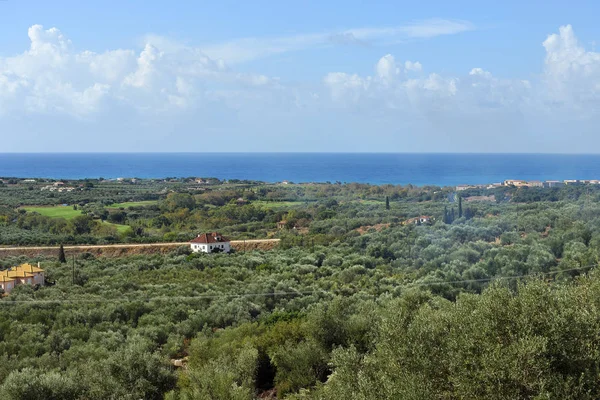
(129, 245)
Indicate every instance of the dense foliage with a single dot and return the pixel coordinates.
(498, 300)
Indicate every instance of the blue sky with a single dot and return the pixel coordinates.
(461, 76)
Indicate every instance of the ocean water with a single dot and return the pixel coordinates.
(416, 169)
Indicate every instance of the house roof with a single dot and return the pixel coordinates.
(27, 268)
(22, 271)
(5, 279)
(213, 237)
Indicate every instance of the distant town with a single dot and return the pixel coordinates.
(522, 183)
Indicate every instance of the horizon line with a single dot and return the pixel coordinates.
(295, 152)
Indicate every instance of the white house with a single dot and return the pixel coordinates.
(212, 242)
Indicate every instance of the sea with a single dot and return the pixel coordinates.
(375, 168)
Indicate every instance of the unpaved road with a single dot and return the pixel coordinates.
(248, 242)
(120, 250)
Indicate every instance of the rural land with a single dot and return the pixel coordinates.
(200, 288)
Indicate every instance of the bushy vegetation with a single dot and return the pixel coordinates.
(500, 301)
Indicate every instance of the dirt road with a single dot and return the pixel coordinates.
(129, 248)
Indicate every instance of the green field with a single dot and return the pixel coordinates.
(134, 204)
(65, 212)
(372, 202)
(277, 204)
(120, 228)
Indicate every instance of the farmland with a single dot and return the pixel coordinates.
(66, 212)
(350, 303)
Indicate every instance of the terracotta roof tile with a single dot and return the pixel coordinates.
(213, 237)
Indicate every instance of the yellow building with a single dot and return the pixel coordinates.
(24, 274)
(7, 284)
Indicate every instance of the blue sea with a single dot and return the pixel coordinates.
(416, 169)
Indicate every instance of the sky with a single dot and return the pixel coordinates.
(310, 76)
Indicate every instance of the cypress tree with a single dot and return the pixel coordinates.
(452, 215)
(61, 255)
(387, 202)
(446, 215)
(460, 210)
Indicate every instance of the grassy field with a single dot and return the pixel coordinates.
(277, 204)
(134, 204)
(120, 228)
(372, 202)
(65, 212)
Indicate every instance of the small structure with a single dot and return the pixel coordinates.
(422, 220)
(282, 224)
(553, 184)
(515, 182)
(212, 242)
(535, 184)
(24, 274)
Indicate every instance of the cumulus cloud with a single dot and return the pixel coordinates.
(170, 88)
(386, 68)
(569, 87)
(481, 106)
(412, 66)
(571, 74)
(50, 77)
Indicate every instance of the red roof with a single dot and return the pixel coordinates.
(213, 237)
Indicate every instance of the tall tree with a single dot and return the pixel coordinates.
(387, 202)
(460, 210)
(61, 255)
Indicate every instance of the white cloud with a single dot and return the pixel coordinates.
(168, 89)
(571, 74)
(247, 49)
(50, 77)
(412, 66)
(480, 72)
(386, 68)
(345, 87)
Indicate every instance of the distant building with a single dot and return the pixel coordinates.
(571, 181)
(24, 274)
(422, 220)
(462, 187)
(515, 182)
(212, 242)
(553, 184)
(282, 224)
(535, 184)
